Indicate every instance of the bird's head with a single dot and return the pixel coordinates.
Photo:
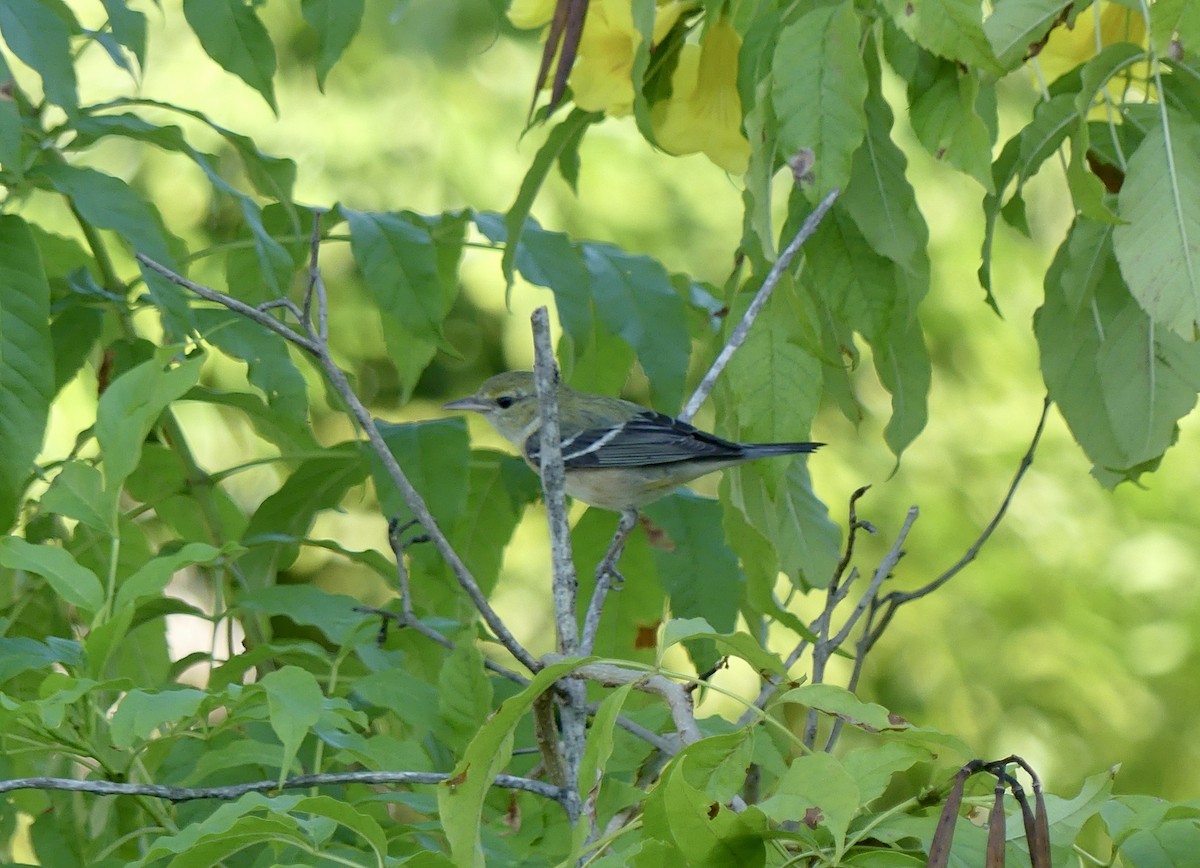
(508, 401)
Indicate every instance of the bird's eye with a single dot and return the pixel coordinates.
(504, 402)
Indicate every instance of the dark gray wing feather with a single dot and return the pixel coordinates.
(649, 438)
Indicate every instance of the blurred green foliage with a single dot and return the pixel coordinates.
(1071, 640)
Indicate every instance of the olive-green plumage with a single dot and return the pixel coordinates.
(617, 455)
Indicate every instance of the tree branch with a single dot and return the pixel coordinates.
(319, 350)
(564, 584)
(233, 791)
(738, 336)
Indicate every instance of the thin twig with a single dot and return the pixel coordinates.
(896, 599)
(738, 337)
(677, 696)
(573, 692)
(881, 611)
(825, 647)
(319, 350)
(246, 310)
(606, 574)
(234, 791)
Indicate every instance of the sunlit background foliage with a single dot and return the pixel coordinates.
(1072, 640)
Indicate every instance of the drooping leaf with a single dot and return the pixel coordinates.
(129, 409)
(1017, 26)
(78, 492)
(434, 456)
(284, 517)
(819, 87)
(231, 33)
(818, 790)
(26, 361)
(464, 695)
(336, 23)
(635, 300)
(1158, 244)
(128, 26)
(76, 584)
(295, 701)
(1121, 382)
(949, 28)
(107, 202)
(41, 39)
(696, 568)
(142, 712)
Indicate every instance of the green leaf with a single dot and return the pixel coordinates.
(295, 702)
(150, 580)
(464, 695)
(460, 798)
(563, 139)
(872, 768)
(774, 381)
(819, 88)
(399, 261)
(880, 199)
(129, 409)
(12, 144)
(741, 645)
(499, 488)
(280, 520)
(21, 654)
(40, 38)
(1158, 245)
(128, 26)
(26, 361)
(141, 713)
(841, 703)
(629, 622)
(336, 23)
(787, 513)
(107, 202)
(1017, 26)
(1019, 160)
(269, 364)
(273, 177)
(335, 615)
(231, 34)
(76, 584)
(434, 455)
(816, 790)
(225, 822)
(1172, 18)
(351, 818)
(592, 771)
(696, 568)
(949, 28)
(945, 117)
(275, 264)
(704, 829)
(292, 436)
(78, 492)
(636, 300)
(1120, 381)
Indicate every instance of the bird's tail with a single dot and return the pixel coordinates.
(765, 450)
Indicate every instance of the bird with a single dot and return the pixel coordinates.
(617, 455)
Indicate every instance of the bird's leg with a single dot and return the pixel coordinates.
(607, 570)
(606, 577)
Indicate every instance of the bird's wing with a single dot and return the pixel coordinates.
(648, 438)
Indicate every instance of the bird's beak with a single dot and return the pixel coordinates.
(471, 402)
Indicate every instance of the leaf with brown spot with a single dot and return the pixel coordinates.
(647, 635)
(656, 536)
(812, 817)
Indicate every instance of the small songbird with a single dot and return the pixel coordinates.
(617, 455)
